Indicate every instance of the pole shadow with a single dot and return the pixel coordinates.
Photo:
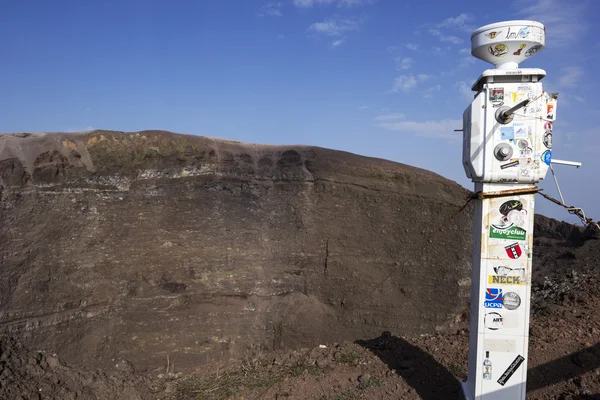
(571, 366)
(429, 378)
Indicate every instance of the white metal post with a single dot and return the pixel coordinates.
(507, 149)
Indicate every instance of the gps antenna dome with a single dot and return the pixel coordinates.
(506, 44)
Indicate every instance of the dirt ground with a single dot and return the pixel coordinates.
(564, 363)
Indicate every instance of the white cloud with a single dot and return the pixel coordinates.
(280, 36)
(453, 23)
(339, 3)
(428, 93)
(464, 89)
(389, 117)
(338, 42)
(440, 50)
(270, 10)
(403, 63)
(433, 129)
(412, 46)
(336, 26)
(451, 39)
(362, 107)
(466, 50)
(458, 22)
(565, 22)
(571, 76)
(352, 3)
(405, 83)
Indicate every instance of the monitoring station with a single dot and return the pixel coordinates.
(507, 149)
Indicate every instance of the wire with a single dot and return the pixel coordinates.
(572, 210)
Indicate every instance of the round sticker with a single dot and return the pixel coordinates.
(533, 49)
(493, 321)
(510, 205)
(511, 301)
(547, 157)
(548, 140)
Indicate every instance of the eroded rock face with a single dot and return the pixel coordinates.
(140, 245)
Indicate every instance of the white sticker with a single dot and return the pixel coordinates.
(500, 345)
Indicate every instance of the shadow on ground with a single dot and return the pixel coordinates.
(432, 380)
(429, 378)
(569, 367)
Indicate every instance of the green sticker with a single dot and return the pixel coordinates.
(512, 233)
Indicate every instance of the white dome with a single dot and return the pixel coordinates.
(506, 44)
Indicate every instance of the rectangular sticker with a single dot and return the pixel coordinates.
(512, 368)
(510, 164)
(500, 345)
(521, 131)
(510, 232)
(507, 133)
(504, 280)
(493, 298)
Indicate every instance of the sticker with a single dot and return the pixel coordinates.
(493, 321)
(509, 206)
(497, 97)
(498, 50)
(550, 106)
(548, 140)
(493, 298)
(487, 367)
(493, 34)
(510, 164)
(500, 345)
(503, 270)
(514, 250)
(550, 111)
(507, 133)
(547, 157)
(521, 34)
(511, 222)
(511, 301)
(505, 280)
(512, 368)
(510, 233)
(533, 49)
(521, 131)
(533, 109)
(547, 127)
(521, 48)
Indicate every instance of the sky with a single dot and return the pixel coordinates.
(381, 78)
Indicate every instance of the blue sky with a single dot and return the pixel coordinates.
(383, 78)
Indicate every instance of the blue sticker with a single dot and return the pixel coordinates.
(547, 157)
(524, 32)
(507, 133)
(493, 298)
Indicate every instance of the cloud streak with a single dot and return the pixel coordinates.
(336, 26)
(565, 24)
(405, 83)
(337, 43)
(432, 129)
(389, 117)
(571, 76)
(272, 9)
(403, 63)
(338, 3)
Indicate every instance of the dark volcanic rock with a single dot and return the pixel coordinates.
(148, 245)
